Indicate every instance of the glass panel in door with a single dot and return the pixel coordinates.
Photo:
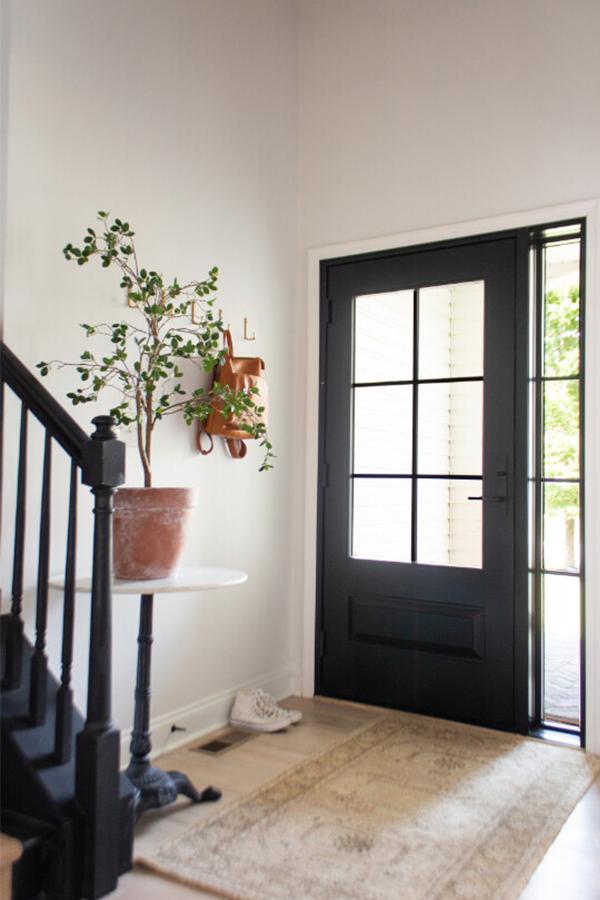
(417, 434)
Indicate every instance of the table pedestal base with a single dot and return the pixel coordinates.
(157, 788)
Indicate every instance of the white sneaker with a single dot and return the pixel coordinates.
(294, 714)
(252, 712)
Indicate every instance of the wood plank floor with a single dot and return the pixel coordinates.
(570, 869)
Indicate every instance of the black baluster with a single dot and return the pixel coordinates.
(1, 437)
(97, 763)
(39, 662)
(64, 700)
(14, 637)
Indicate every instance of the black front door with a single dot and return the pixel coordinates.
(417, 526)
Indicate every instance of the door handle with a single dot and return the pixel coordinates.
(501, 484)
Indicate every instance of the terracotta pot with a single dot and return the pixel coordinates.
(149, 530)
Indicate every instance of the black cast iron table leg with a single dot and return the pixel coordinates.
(155, 788)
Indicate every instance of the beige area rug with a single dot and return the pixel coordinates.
(407, 807)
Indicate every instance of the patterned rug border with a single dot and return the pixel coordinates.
(378, 731)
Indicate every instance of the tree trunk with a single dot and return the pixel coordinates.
(570, 561)
(144, 458)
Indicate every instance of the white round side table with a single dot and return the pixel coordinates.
(155, 787)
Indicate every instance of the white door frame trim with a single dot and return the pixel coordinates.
(590, 209)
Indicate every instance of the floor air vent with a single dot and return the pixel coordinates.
(227, 740)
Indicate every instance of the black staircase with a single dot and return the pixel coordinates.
(62, 793)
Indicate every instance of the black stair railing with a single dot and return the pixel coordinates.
(100, 462)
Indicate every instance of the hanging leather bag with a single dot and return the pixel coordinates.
(238, 373)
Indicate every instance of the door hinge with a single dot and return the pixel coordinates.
(322, 644)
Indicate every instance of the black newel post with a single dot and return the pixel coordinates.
(97, 761)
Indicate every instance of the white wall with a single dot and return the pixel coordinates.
(420, 114)
(181, 117)
(416, 117)
(4, 69)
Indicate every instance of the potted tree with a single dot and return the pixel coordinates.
(141, 364)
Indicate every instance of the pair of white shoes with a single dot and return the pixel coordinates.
(259, 711)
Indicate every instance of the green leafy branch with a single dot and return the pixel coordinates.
(561, 400)
(143, 361)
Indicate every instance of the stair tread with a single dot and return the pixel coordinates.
(24, 829)
(11, 849)
(36, 743)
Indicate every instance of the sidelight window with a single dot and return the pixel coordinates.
(556, 474)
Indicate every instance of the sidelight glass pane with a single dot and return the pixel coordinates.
(449, 526)
(451, 330)
(561, 527)
(561, 309)
(561, 429)
(451, 428)
(383, 430)
(531, 516)
(383, 337)
(555, 509)
(381, 520)
(562, 629)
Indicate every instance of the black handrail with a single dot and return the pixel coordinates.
(42, 404)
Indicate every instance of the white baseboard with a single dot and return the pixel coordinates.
(209, 713)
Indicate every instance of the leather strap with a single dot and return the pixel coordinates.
(228, 341)
(199, 435)
(237, 448)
